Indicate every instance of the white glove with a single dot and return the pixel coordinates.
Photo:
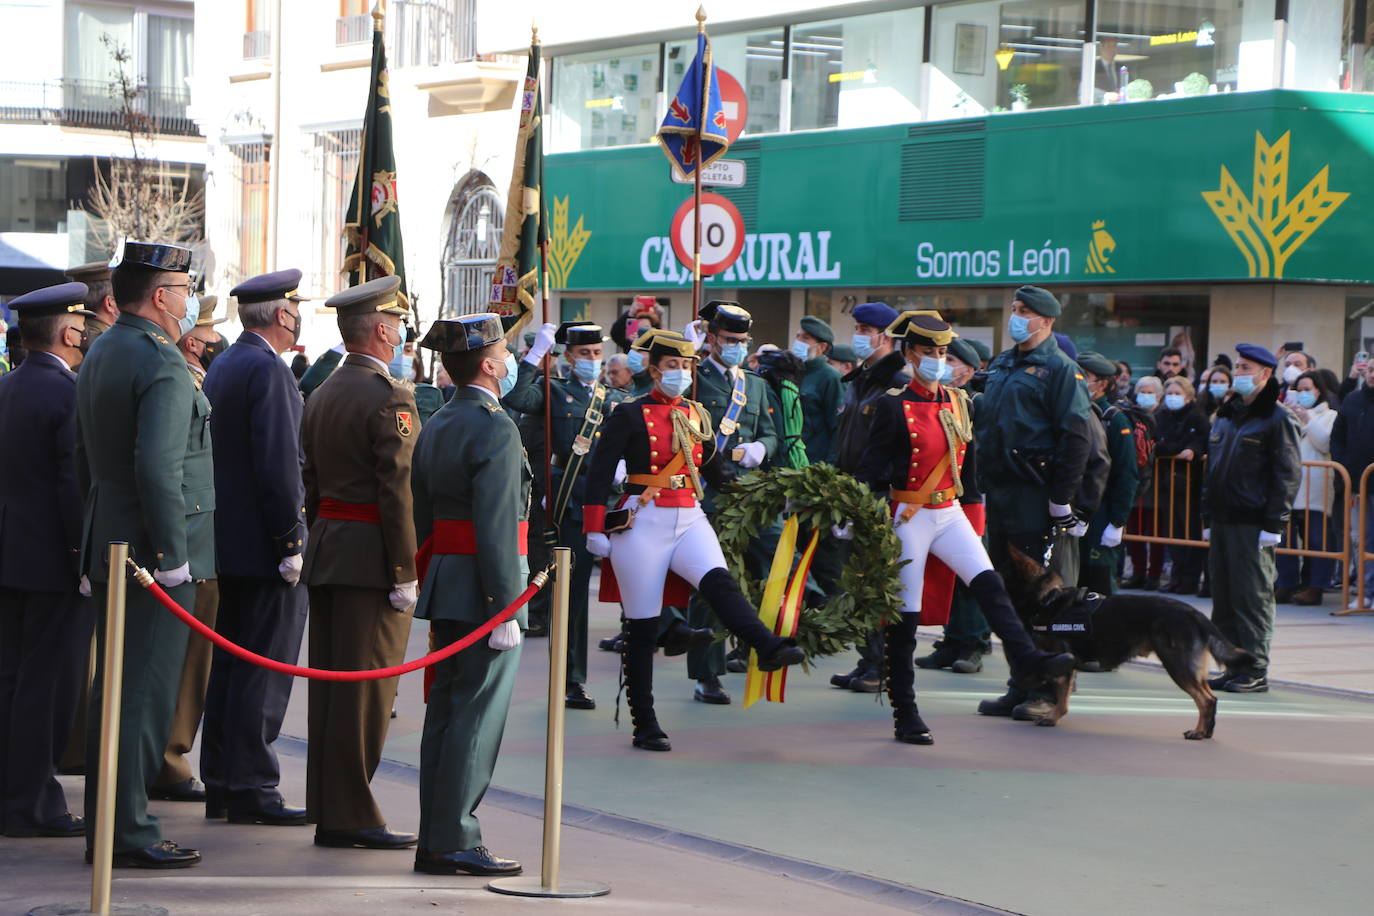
(1078, 530)
(843, 532)
(621, 472)
(403, 596)
(1061, 517)
(506, 636)
(754, 453)
(1207, 534)
(1269, 539)
(1111, 536)
(85, 587)
(694, 333)
(173, 577)
(290, 568)
(598, 545)
(543, 343)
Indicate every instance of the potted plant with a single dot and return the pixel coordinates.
(1194, 84)
(1020, 97)
(1139, 90)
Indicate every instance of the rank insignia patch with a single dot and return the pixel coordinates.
(404, 422)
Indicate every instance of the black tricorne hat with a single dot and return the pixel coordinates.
(464, 333)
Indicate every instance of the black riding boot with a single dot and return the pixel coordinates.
(1029, 665)
(900, 645)
(637, 660)
(734, 611)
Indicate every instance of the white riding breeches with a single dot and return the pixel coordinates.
(942, 533)
(662, 540)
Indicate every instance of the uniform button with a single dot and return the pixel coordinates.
(197, 508)
(160, 556)
(913, 435)
(653, 438)
(653, 469)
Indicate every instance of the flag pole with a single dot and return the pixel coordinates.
(696, 182)
(547, 363)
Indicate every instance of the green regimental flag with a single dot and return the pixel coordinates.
(373, 222)
(516, 283)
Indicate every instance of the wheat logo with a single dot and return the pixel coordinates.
(565, 246)
(1100, 249)
(1269, 226)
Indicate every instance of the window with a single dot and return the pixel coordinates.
(33, 194)
(354, 23)
(605, 98)
(335, 160)
(426, 33)
(257, 30)
(857, 72)
(251, 164)
(476, 217)
(754, 59)
(159, 48)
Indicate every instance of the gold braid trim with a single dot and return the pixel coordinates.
(686, 435)
(958, 426)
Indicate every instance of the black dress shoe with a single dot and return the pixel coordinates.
(475, 861)
(786, 653)
(373, 838)
(710, 691)
(577, 698)
(909, 729)
(842, 680)
(943, 656)
(652, 741)
(679, 637)
(868, 682)
(1046, 669)
(277, 815)
(1003, 705)
(165, 854)
(188, 790)
(736, 665)
(537, 631)
(63, 825)
(614, 643)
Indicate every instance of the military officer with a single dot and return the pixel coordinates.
(921, 438)
(1103, 540)
(100, 301)
(260, 538)
(746, 437)
(641, 382)
(471, 486)
(175, 782)
(1033, 449)
(146, 435)
(581, 401)
(359, 435)
(323, 367)
(821, 391)
(45, 624)
(659, 541)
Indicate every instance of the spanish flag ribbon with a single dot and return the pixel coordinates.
(780, 610)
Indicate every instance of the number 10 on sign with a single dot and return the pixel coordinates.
(722, 233)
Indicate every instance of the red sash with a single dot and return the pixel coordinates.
(350, 512)
(456, 536)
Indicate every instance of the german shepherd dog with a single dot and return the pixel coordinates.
(1123, 627)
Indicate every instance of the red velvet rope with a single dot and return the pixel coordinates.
(322, 674)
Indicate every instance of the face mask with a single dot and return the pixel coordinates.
(1173, 401)
(733, 354)
(397, 367)
(587, 370)
(801, 350)
(1218, 389)
(296, 331)
(931, 368)
(636, 361)
(1291, 374)
(1244, 384)
(506, 382)
(1146, 399)
(863, 346)
(211, 351)
(1307, 399)
(947, 376)
(675, 382)
(1018, 326)
(188, 321)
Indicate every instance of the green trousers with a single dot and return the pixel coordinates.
(579, 585)
(1242, 577)
(464, 722)
(154, 650)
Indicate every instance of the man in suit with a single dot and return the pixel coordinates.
(146, 435)
(260, 541)
(45, 624)
(359, 436)
(471, 485)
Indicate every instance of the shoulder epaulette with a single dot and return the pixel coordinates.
(895, 392)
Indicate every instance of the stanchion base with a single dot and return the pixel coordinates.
(84, 909)
(533, 886)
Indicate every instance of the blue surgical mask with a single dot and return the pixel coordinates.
(931, 368)
(507, 381)
(1218, 389)
(397, 353)
(1307, 399)
(1018, 326)
(1146, 399)
(636, 361)
(863, 346)
(676, 382)
(801, 350)
(947, 376)
(401, 366)
(1173, 401)
(1244, 384)
(587, 370)
(733, 354)
(188, 321)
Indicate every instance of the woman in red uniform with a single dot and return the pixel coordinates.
(667, 445)
(920, 449)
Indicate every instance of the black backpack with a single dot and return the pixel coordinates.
(1144, 431)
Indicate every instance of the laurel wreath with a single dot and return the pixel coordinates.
(820, 497)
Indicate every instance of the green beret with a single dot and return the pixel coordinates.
(961, 349)
(842, 353)
(983, 350)
(818, 329)
(1040, 301)
(1097, 364)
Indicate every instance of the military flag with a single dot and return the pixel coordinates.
(693, 131)
(372, 224)
(517, 280)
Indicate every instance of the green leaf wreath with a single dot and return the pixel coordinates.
(820, 497)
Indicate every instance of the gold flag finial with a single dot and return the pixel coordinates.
(534, 31)
(378, 14)
(701, 18)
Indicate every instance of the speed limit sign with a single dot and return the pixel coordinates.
(722, 233)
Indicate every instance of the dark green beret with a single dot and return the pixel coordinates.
(1040, 301)
(818, 329)
(842, 353)
(961, 349)
(1097, 364)
(983, 350)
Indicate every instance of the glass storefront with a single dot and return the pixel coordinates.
(604, 98)
(857, 72)
(754, 59)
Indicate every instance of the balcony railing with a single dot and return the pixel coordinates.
(426, 33)
(257, 44)
(352, 30)
(93, 104)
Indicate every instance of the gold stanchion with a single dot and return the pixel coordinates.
(112, 688)
(548, 883)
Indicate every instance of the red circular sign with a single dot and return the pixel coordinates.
(736, 104)
(722, 233)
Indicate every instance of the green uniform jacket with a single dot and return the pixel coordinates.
(822, 396)
(755, 420)
(320, 370)
(570, 401)
(1124, 478)
(146, 438)
(641, 384)
(469, 465)
(359, 436)
(428, 400)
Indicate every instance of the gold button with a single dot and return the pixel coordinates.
(913, 435)
(653, 469)
(653, 438)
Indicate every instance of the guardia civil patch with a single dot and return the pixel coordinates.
(404, 422)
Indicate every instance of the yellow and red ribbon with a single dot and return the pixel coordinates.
(780, 610)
